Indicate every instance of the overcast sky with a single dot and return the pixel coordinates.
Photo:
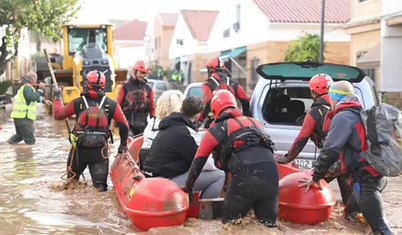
(141, 9)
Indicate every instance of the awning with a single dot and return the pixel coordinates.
(225, 55)
(232, 53)
(236, 52)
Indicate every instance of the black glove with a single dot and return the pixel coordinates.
(122, 149)
(57, 93)
(190, 192)
(282, 159)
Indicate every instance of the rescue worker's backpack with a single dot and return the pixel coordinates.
(383, 126)
(92, 126)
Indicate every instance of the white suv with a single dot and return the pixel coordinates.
(281, 98)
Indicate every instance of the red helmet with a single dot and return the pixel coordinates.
(141, 66)
(222, 99)
(96, 80)
(320, 83)
(215, 64)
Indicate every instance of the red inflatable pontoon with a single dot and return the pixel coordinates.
(301, 207)
(148, 202)
(134, 146)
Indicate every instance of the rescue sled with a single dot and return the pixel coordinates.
(148, 202)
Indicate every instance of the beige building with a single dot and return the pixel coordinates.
(365, 31)
(163, 31)
(376, 44)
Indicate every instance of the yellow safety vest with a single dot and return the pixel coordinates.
(176, 76)
(21, 109)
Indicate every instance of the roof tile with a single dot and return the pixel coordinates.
(132, 30)
(305, 11)
(168, 19)
(200, 22)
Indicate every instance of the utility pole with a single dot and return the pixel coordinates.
(321, 56)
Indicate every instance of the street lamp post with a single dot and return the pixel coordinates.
(321, 55)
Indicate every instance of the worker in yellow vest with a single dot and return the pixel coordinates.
(24, 109)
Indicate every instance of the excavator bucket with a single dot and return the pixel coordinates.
(70, 90)
(121, 75)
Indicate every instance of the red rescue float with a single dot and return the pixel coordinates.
(301, 207)
(134, 146)
(286, 169)
(148, 202)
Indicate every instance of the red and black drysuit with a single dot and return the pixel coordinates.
(239, 146)
(136, 99)
(92, 157)
(346, 139)
(209, 86)
(315, 127)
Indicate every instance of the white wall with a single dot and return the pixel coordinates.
(190, 44)
(391, 52)
(253, 27)
(391, 6)
(391, 49)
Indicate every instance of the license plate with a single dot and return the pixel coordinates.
(305, 163)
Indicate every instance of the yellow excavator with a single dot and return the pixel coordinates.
(86, 47)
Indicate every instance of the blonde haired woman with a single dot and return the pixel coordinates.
(170, 101)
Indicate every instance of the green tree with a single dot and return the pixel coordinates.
(306, 47)
(45, 16)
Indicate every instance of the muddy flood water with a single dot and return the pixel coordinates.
(33, 199)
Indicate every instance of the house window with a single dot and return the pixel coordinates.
(156, 43)
(363, 0)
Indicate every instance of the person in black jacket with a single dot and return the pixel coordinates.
(174, 148)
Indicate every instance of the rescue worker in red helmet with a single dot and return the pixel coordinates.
(346, 140)
(315, 127)
(218, 80)
(136, 98)
(240, 147)
(95, 156)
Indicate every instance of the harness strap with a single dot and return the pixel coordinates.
(85, 102)
(217, 83)
(99, 107)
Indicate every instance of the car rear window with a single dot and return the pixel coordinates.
(195, 91)
(287, 105)
(306, 70)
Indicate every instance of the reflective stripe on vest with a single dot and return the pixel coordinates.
(20, 107)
